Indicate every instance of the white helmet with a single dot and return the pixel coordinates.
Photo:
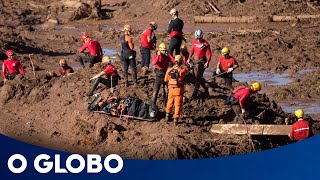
(198, 34)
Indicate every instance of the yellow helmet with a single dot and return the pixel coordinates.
(256, 86)
(154, 25)
(162, 47)
(299, 113)
(105, 59)
(127, 27)
(225, 51)
(178, 58)
(62, 61)
(173, 11)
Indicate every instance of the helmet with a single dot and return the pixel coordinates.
(299, 113)
(162, 47)
(256, 86)
(127, 27)
(105, 59)
(84, 36)
(10, 52)
(173, 11)
(62, 61)
(178, 58)
(198, 34)
(154, 25)
(225, 51)
(183, 47)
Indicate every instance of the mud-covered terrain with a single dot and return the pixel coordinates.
(52, 111)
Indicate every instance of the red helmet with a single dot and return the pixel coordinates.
(84, 36)
(9, 52)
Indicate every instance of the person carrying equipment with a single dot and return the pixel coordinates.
(64, 68)
(11, 67)
(240, 101)
(175, 32)
(226, 64)
(95, 51)
(111, 73)
(148, 43)
(201, 54)
(300, 129)
(128, 55)
(175, 77)
(161, 63)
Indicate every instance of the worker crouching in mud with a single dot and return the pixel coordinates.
(111, 73)
(226, 64)
(95, 51)
(161, 63)
(300, 130)
(11, 67)
(175, 77)
(64, 68)
(240, 101)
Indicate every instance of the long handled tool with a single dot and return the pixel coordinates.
(33, 67)
(216, 76)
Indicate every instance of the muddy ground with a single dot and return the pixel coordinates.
(51, 111)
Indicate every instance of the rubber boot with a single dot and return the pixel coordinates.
(154, 99)
(175, 121)
(194, 94)
(167, 117)
(95, 85)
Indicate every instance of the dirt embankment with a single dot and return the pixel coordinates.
(51, 111)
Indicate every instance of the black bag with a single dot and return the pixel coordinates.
(144, 110)
(231, 101)
(134, 108)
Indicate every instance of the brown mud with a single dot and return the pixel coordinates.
(51, 111)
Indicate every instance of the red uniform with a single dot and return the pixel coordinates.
(162, 61)
(200, 50)
(111, 71)
(94, 48)
(227, 63)
(243, 95)
(300, 130)
(144, 39)
(11, 66)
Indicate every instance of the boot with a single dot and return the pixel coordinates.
(167, 117)
(154, 99)
(194, 94)
(126, 83)
(95, 85)
(175, 121)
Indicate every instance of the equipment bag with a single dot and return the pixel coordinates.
(134, 108)
(174, 76)
(144, 110)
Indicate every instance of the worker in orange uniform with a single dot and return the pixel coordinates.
(175, 77)
(128, 55)
(95, 51)
(200, 53)
(300, 130)
(64, 69)
(11, 67)
(148, 43)
(226, 65)
(240, 101)
(111, 73)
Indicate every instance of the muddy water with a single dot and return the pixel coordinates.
(309, 107)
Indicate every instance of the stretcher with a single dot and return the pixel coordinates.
(126, 117)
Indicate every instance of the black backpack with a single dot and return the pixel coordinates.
(144, 110)
(174, 76)
(134, 108)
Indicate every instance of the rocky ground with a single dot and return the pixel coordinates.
(51, 111)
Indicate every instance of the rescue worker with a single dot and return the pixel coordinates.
(300, 129)
(128, 55)
(161, 64)
(111, 74)
(64, 68)
(95, 51)
(185, 54)
(226, 64)
(11, 67)
(148, 43)
(200, 53)
(240, 101)
(175, 32)
(175, 77)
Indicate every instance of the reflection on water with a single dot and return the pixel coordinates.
(309, 107)
(110, 52)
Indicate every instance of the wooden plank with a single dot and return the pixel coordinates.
(253, 129)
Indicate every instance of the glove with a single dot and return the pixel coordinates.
(243, 111)
(230, 70)
(218, 71)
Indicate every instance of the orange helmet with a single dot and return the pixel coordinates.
(10, 53)
(127, 27)
(84, 36)
(183, 47)
(62, 61)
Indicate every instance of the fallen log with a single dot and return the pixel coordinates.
(219, 19)
(252, 129)
(277, 18)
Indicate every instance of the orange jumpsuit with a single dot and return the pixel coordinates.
(175, 95)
